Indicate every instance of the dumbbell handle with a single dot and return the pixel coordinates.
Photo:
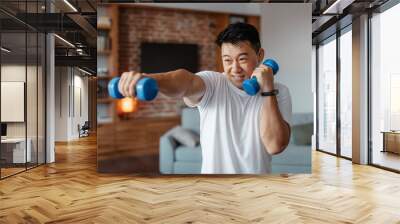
(251, 86)
(146, 89)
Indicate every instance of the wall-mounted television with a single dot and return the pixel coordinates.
(164, 57)
(3, 129)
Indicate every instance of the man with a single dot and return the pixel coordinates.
(238, 132)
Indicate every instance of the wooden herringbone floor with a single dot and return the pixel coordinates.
(71, 191)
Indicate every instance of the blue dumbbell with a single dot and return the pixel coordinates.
(251, 86)
(146, 89)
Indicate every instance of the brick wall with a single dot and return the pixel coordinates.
(146, 24)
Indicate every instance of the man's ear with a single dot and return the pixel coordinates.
(260, 55)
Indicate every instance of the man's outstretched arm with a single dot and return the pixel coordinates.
(179, 83)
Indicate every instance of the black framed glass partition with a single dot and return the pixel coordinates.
(385, 87)
(13, 86)
(22, 88)
(326, 103)
(345, 93)
(334, 94)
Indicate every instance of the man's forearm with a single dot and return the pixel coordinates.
(275, 132)
(175, 83)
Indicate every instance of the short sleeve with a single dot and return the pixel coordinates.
(211, 80)
(284, 102)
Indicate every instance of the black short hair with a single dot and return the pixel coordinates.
(238, 32)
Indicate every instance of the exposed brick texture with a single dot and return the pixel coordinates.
(148, 24)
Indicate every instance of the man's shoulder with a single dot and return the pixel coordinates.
(209, 73)
(211, 77)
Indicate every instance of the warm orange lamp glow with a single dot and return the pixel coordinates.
(127, 105)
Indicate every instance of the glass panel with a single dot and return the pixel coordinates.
(13, 87)
(22, 78)
(385, 84)
(31, 98)
(41, 90)
(31, 87)
(327, 96)
(346, 94)
(9, 24)
(41, 98)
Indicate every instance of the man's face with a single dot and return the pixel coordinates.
(239, 61)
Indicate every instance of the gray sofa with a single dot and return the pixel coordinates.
(178, 159)
(297, 156)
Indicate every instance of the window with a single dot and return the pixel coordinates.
(334, 106)
(385, 88)
(346, 92)
(327, 96)
(22, 74)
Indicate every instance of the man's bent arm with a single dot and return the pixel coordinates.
(275, 131)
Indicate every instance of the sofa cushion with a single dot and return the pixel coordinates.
(185, 137)
(187, 167)
(279, 169)
(191, 119)
(184, 153)
(293, 155)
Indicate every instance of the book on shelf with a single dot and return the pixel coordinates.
(104, 22)
(102, 66)
(102, 74)
(103, 43)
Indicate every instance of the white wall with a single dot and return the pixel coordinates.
(33, 126)
(234, 8)
(80, 94)
(12, 101)
(82, 83)
(71, 87)
(286, 36)
(16, 73)
(61, 103)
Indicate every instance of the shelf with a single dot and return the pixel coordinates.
(107, 56)
(104, 52)
(105, 77)
(103, 27)
(105, 100)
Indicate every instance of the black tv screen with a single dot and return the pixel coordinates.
(3, 129)
(165, 57)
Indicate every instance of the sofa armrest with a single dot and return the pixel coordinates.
(167, 153)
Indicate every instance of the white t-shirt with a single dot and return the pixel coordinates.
(230, 127)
